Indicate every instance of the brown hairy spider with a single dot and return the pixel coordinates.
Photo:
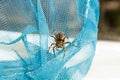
(59, 42)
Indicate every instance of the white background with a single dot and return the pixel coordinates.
(106, 62)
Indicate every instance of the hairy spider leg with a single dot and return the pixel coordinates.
(64, 49)
(54, 50)
(51, 45)
(53, 37)
(70, 44)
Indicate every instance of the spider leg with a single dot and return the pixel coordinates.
(54, 50)
(70, 44)
(53, 37)
(64, 49)
(65, 37)
(51, 45)
(67, 43)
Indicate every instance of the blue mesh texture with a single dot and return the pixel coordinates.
(26, 27)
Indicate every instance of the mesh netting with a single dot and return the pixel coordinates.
(26, 27)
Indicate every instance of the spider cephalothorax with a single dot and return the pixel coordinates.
(59, 42)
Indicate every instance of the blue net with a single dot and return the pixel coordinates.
(26, 27)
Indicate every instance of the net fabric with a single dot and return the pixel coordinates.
(28, 25)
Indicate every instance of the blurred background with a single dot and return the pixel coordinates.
(109, 27)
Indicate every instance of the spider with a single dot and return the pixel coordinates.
(59, 42)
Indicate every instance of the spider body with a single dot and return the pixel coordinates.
(60, 39)
(59, 42)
